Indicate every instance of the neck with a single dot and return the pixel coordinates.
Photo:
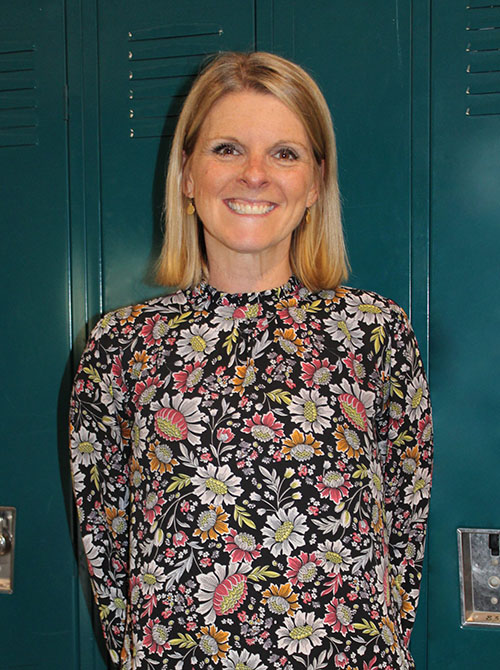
(247, 276)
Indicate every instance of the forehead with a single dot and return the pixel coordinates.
(251, 112)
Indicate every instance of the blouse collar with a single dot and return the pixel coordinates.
(206, 297)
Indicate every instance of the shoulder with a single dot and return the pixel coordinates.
(362, 305)
(123, 325)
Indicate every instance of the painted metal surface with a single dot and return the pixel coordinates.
(39, 614)
(464, 317)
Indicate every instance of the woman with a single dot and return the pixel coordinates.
(252, 454)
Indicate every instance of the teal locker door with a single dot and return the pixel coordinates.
(37, 620)
(148, 58)
(465, 311)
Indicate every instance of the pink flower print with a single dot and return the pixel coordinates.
(340, 616)
(265, 428)
(154, 330)
(302, 569)
(225, 435)
(334, 485)
(152, 505)
(317, 372)
(188, 378)
(179, 539)
(355, 366)
(341, 660)
(156, 636)
(145, 391)
(242, 546)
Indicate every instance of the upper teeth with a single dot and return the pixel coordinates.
(249, 207)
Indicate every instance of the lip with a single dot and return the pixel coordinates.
(245, 207)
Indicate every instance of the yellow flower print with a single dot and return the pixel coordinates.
(211, 523)
(245, 376)
(117, 520)
(348, 440)
(138, 363)
(388, 634)
(289, 342)
(410, 460)
(129, 314)
(301, 447)
(213, 642)
(161, 457)
(135, 473)
(280, 599)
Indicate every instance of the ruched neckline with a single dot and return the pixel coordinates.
(205, 296)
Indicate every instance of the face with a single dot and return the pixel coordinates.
(252, 174)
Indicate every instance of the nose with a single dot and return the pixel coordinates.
(255, 171)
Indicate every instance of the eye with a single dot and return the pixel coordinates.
(286, 154)
(225, 149)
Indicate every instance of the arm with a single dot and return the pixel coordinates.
(99, 464)
(407, 426)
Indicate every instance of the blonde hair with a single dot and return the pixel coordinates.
(317, 253)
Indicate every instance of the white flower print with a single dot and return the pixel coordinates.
(139, 433)
(197, 343)
(94, 558)
(217, 485)
(117, 603)
(367, 308)
(344, 329)
(152, 578)
(419, 488)
(104, 325)
(301, 633)
(243, 660)
(284, 531)
(110, 394)
(258, 525)
(311, 411)
(334, 556)
(417, 399)
(85, 447)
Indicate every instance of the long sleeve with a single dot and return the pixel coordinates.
(406, 431)
(99, 442)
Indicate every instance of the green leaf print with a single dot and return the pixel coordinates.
(367, 627)
(94, 376)
(94, 476)
(230, 340)
(378, 337)
(178, 482)
(178, 320)
(243, 517)
(185, 641)
(263, 573)
(279, 396)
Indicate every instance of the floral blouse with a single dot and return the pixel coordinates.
(252, 476)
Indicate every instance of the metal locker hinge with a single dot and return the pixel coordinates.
(7, 542)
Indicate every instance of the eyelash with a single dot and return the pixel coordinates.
(227, 149)
(291, 154)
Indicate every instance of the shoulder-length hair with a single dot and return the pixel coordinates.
(317, 252)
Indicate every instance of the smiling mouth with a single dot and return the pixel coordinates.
(245, 207)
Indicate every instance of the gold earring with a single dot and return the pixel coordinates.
(190, 209)
(307, 217)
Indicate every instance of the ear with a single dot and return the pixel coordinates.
(313, 195)
(187, 179)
